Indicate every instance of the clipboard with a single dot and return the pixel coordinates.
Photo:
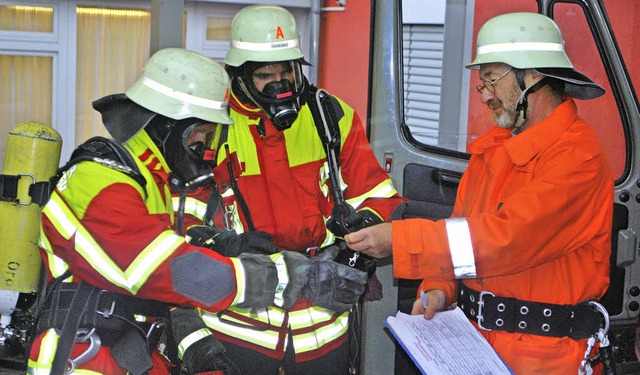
(448, 344)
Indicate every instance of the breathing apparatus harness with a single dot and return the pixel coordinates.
(84, 313)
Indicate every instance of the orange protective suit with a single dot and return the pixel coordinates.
(539, 211)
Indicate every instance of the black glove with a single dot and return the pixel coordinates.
(324, 282)
(344, 219)
(344, 255)
(229, 243)
(206, 354)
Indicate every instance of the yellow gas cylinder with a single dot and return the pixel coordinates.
(32, 154)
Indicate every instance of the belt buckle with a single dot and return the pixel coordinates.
(481, 307)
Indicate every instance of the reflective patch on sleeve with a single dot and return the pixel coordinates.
(201, 278)
(461, 248)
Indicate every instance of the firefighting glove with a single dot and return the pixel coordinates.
(288, 276)
(199, 350)
(344, 255)
(229, 243)
(344, 219)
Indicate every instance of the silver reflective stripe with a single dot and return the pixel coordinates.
(461, 248)
(283, 279)
(520, 46)
(270, 46)
(181, 96)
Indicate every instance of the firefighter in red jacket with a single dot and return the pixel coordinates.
(115, 263)
(282, 187)
(528, 244)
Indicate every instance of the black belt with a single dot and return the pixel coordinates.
(493, 312)
(111, 315)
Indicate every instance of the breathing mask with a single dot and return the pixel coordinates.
(275, 87)
(188, 146)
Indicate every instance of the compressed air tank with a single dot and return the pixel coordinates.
(32, 156)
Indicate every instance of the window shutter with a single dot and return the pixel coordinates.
(422, 63)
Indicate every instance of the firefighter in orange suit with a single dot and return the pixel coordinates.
(115, 262)
(283, 189)
(528, 243)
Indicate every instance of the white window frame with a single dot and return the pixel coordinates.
(60, 45)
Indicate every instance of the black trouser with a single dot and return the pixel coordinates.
(251, 362)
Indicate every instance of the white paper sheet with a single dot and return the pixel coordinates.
(448, 344)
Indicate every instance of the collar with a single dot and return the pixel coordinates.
(146, 151)
(246, 109)
(525, 145)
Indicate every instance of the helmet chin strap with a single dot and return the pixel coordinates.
(523, 103)
(245, 90)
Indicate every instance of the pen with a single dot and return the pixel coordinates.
(423, 298)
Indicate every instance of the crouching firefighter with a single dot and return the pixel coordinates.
(114, 261)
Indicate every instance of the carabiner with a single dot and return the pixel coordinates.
(84, 335)
(601, 309)
(354, 259)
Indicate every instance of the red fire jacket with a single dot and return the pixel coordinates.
(285, 184)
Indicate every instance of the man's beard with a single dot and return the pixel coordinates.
(504, 116)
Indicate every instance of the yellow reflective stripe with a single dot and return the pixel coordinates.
(48, 346)
(322, 335)
(132, 279)
(271, 315)
(190, 339)
(192, 206)
(264, 338)
(324, 178)
(330, 238)
(240, 284)
(307, 317)
(57, 266)
(384, 189)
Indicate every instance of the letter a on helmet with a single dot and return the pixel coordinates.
(263, 33)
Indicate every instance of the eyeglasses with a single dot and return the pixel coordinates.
(490, 85)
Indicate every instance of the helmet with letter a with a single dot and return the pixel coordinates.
(265, 61)
(531, 41)
(180, 101)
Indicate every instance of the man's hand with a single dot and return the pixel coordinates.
(436, 301)
(374, 241)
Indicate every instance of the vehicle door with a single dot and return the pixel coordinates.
(424, 112)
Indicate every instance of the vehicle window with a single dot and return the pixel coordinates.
(424, 45)
(601, 113)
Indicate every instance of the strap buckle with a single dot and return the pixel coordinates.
(481, 308)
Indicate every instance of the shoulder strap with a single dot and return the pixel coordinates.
(326, 112)
(107, 152)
